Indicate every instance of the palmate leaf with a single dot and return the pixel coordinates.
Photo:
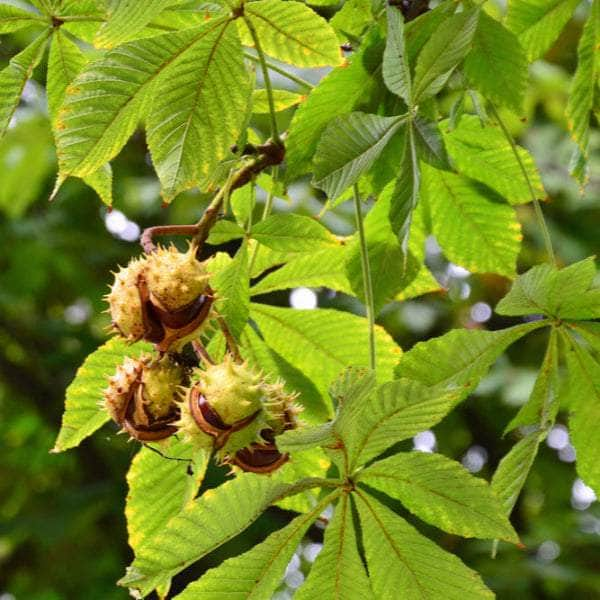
(13, 18)
(310, 341)
(583, 383)
(292, 32)
(14, 77)
(476, 232)
(199, 108)
(584, 91)
(323, 268)
(127, 18)
(396, 70)
(442, 53)
(256, 574)
(338, 572)
(538, 23)
(105, 103)
(441, 492)
(460, 358)
(394, 412)
(209, 521)
(484, 154)
(566, 293)
(401, 560)
(497, 64)
(83, 412)
(293, 233)
(512, 472)
(543, 404)
(348, 148)
(65, 62)
(338, 93)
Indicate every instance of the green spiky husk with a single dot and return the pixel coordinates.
(124, 301)
(175, 279)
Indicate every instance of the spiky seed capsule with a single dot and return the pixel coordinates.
(175, 279)
(124, 301)
(121, 387)
(141, 396)
(164, 298)
(240, 411)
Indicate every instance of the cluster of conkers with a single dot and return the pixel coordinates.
(165, 298)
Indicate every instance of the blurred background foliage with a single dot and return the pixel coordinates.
(62, 529)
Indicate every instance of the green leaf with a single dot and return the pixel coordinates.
(442, 53)
(224, 231)
(293, 233)
(338, 93)
(13, 18)
(429, 143)
(400, 558)
(256, 574)
(14, 77)
(242, 202)
(406, 192)
(441, 492)
(282, 99)
(560, 293)
(476, 232)
(484, 154)
(255, 350)
(538, 23)
(199, 109)
(101, 181)
(396, 71)
(390, 271)
(324, 268)
(215, 517)
(424, 282)
(352, 387)
(304, 438)
(310, 341)
(397, 411)
(159, 487)
(590, 332)
(461, 357)
(83, 411)
(96, 120)
(497, 64)
(352, 19)
(512, 472)
(418, 31)
(64, 63)
(543, 404)
(348, 148)
(231, 285)
(293, 33)
(338, 572)
(584, 91)
(583, 382)
(126, 19)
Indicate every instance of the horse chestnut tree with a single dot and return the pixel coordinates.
(410, 122)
